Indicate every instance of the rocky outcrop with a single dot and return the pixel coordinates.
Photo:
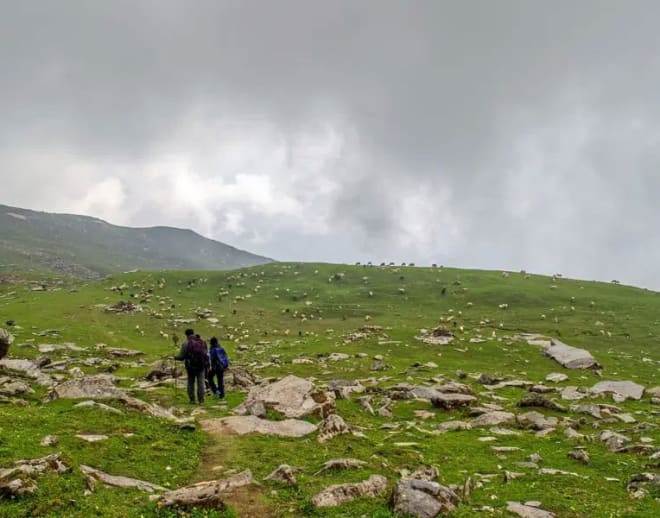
(375, 486)
(570, 357)
(6, 339)
(243, 425)
(208, 494)
(100, 386)
(619, 390)
(291, 396)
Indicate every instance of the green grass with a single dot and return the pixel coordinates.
(263, 307)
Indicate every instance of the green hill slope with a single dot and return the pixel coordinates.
(89, 247)
(282, 319)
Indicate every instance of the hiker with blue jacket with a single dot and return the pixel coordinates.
(194, 354)
(219, 363)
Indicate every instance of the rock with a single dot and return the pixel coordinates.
(49, 348)
(293, 397)
(571, 357)
(6, 339)
(32, 467)
(50, 440)
(375, 486)
(556, 377)
(334, 464)
(15, 388)
(365, 403)
(93, 475)
(623, 389)
(495, 418)
(448, 426)
(163, 369)
(579, 455)
(284, 474)
(572, 394)
(613, 440)
(536, 421)
(571, 434)
(332, 426)
(302, 361)
(449, 401)
(653, 392)
(527, 511)
(92, 438)
(242, 425)
(542, 389)
(17, 487)
(452, 387)
(256, 408)
(533, 399)
(487, 379)
(207, 494)
(240, 378)
(343, 389)
(550, 471)
(151, 409)
(423, 499)
(27, 368)
(335, 357)
(101, 406)
(100, 386)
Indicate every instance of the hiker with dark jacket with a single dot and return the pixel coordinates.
(219, 362)
(194, 354)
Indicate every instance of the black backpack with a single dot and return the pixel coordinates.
(197, 355)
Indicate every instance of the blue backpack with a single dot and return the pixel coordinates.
(219, 359)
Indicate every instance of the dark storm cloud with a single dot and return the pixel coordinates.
(491, 134)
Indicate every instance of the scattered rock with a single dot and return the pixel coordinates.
(50, 440)
(439, 336)
(102, 406)
(450, 400)
(619, 390)
(242, 425)
(423, 498)
(527, 511)
(375, 486)
(93, 475)
(613, 440)
(341, 464)
(448, 426)
(579, 455)
(332, 426)
(208, 494)
(151, 409)
(556, 377)
(344, 388)
(533, 399)
(536, 421)
(163, 369)
(27, 368)
(571, 357)
(284, 474)
(99, 386)
(572, 394)
(493, 419)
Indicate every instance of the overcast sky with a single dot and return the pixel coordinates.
(495, 134)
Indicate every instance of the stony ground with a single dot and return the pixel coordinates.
(354, 391)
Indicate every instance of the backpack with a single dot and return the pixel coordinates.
(219, 358)
(197, 354)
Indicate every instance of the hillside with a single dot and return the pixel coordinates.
(499, 420)
(88, 247)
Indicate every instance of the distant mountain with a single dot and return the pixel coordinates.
(89, 247)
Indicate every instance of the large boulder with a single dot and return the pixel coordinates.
(571, 357)
(421, 496)
(375, 486)
(619, 390)
(291, 396)
(100, 386)
(243, 425)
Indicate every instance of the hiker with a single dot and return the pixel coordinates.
(194, 354)
(219, 363)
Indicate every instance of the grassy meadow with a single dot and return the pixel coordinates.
(268, 316)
